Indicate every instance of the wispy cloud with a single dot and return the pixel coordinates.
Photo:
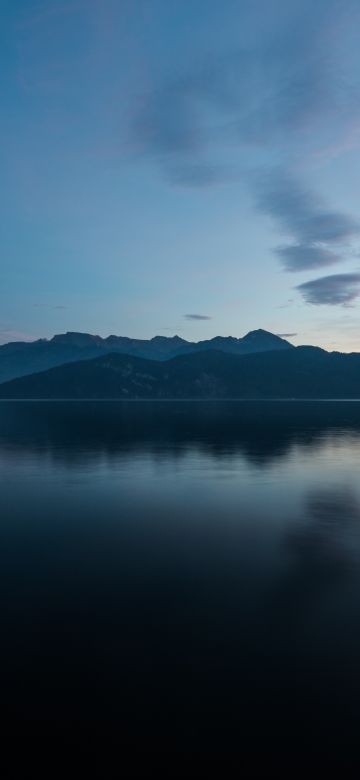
(248, 96)
(300, 212)
(269, 94)
(316, 230)
(301, 257)
(48, 306)
(271, 98)
(197, 317)
(338, 289)
(286, 335)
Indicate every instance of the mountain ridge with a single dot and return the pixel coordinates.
(25, 358)
(303, 372)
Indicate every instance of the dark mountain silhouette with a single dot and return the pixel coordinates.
(22, 358)
(302, 372)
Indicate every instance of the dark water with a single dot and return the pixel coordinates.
(183, 576)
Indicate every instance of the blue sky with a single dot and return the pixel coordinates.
(166, 158)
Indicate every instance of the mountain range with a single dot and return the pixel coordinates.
(22, 358)
(294, 372)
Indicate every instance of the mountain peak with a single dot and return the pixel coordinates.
(259, 333)
(261, 340)
(76, 339)
(163, 339)
(262, 334)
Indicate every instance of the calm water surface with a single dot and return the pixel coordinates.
(182, 574)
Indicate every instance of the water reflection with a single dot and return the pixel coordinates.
(328, 536)
(324, 550)
(260, 432)
(186, 573)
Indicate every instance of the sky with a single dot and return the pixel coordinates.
(183, 167)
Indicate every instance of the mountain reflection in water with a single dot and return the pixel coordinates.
(184, 573)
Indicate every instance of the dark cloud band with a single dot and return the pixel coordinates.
(301, 257)
(197, 317)
(335, 290)
(317, 231)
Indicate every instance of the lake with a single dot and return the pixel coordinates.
(183, 575)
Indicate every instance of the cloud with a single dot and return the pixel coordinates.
(248, 95)
(338, 289)
(48, 306)
(197, 317)
(273, 96)
(300, 257)
(300, 212)
(287, 95)
(269, 91)
(291, 91)
(315, 230)
(286, 335)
